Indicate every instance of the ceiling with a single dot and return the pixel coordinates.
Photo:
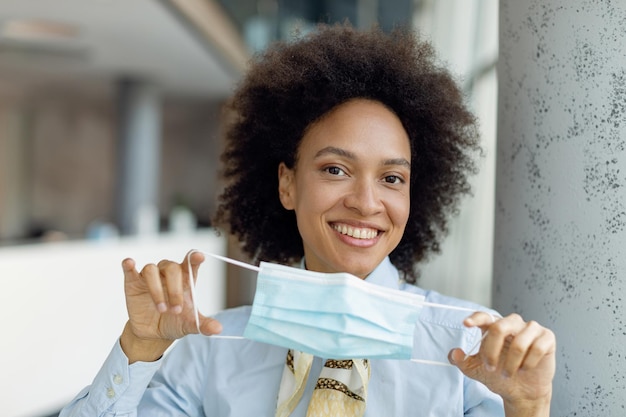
(158, 41)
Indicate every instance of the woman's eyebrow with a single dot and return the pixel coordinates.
(350, 155)
(397, 161)
(335, 151)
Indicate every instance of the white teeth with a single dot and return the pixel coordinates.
(355, 232)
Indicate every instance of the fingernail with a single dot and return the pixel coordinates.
(161, 307)
(177, 309)
(489, 368)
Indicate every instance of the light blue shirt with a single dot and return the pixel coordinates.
(204, 376)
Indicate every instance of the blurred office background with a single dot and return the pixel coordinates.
(110, 122)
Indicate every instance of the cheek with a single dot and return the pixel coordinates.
(399, 209)
(312, 207)
(316, 198)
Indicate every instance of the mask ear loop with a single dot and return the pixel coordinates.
(192, 288)
(192, 283)
(427, 362)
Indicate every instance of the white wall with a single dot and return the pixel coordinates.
(62, 309)
(464, 34)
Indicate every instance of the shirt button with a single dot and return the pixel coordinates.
(110, 393)
(118, 379)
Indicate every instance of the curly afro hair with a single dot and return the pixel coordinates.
(293, 84)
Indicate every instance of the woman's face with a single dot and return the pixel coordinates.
(350, 187)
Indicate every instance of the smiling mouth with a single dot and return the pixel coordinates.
(356, 232)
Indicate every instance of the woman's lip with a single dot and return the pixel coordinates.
(356, 224)
(356, 235)
(357, 242)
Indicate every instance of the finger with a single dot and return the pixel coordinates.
(152, 278)
(172, 275)
(195, 259)
(128, 266)
(480, 319)
(471, 366)
(457, 356)
(498, 332)
(542, 347)
(517, 348)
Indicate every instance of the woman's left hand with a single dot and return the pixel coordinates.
(516, 360)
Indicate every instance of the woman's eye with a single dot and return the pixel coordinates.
(393, 179)
(335, 171)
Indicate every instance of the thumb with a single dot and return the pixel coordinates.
(471, 366)
(208, 326)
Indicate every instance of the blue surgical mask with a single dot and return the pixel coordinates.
(337, 315)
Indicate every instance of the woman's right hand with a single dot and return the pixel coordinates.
(160, 308)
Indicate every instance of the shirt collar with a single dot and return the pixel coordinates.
(385, 274)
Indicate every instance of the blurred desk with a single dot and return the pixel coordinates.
(62, 309)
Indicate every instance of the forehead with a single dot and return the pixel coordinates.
(361, 126)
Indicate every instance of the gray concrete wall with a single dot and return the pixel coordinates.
(560, 227)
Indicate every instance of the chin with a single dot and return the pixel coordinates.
(360, 269)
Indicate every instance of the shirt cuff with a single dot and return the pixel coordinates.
(119, 386)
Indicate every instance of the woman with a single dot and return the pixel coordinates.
(348, 152)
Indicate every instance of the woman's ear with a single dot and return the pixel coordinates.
(286, 183)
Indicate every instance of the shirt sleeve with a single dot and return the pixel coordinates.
(480, 401)
(116, 390)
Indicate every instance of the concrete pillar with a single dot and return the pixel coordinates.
(139, 157)
(560, 224)
(15, 171)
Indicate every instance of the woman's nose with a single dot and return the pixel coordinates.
(364, 198)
